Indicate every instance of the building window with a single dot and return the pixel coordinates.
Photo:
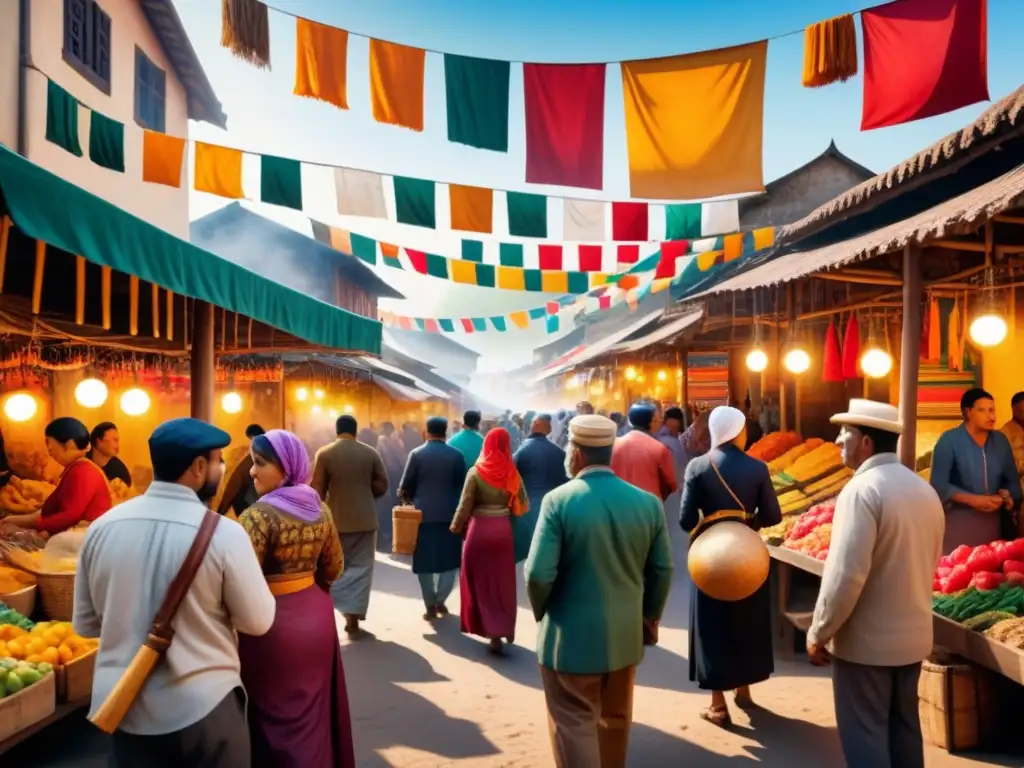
(87, 41)
(150, 93)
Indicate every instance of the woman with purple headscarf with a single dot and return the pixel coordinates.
(294, 719)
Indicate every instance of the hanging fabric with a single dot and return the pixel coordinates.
(476, 93)
(590, 258)
(923, 58)
(694, 123)
(245, 31)
(549, 256)
(527, 214)
(162, 157)
(360, 193)
(321, 63)
(851, 349)
(471, 208)
(934, 353)
(830, 51)
(583, 220)
(281, 181)
(629, 221)
(218, 170)
(62, 119)
(955, 345)
(564, 115)
(415, 202)
(396, 84)
(106, 142)
(832, 364)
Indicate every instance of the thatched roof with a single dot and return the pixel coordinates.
(1000, 121)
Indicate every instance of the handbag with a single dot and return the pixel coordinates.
(739, 514)
(120, 699)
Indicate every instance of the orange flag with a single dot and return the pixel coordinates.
(321, 63)
(472, 208)
(396, 84)
(694, 123)
(219, 170)
(161, 158)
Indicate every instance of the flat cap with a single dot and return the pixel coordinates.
(592, 431)
(185, 437)
(641, 415)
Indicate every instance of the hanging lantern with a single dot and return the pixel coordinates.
(231, 402)
(989, 329)
(630, 373)
(301, 394)
(662, 376)
(876, 363)
(319, 394)
(797, 361)
(91, 393)
(20, 407)
(757, 360)
(135, 402)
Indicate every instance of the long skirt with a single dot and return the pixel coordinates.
(730, 643)
(487, 583)
(298, 705)
(351, 592)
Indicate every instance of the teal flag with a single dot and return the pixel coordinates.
(473, 250)
(62, 119)
(281, 181)
(446, 324)
(414, 202)
(479, 323)
(527, 214)
(485, 275)
(364, 248)
(552, 323)
(106, 142)
(579, 282)
(510, 254)
(437, 266)
(682, 221)
(498, 323)
(537, 313)
(477, 97)
(533, 280)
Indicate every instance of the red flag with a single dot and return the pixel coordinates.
(591, 258)
(629, 221)
(604, 302)
(405, 323)
(431, 325)
(552, 307)
(923, 58)
(671, 251)
(628, 254)
(565, 124)
(467, 324)
(418, 259)
(550, 256)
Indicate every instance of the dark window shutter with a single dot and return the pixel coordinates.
(75, 28)
(101, 64)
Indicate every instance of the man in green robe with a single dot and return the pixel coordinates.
(468, 441)
(599, 535)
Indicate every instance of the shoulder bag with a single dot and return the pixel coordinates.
(739, 514)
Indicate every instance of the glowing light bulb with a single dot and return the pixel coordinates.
(630, 373)
(316, 409)
(318, 394)
(757, 360)
(135, 402)
(231, 402)
(20, 407)
(91, 393)
(333, 413)
(662, 376)
(301, 394)
(988, 330)
(876, 363)
(348, 409)
(797, 361)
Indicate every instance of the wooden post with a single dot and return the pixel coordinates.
(780, 395)
(910, 357)
(784, 422)
(5, 236)
(201, 361)
(37, 281)
(79, 290)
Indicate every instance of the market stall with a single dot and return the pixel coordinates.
(107, 318)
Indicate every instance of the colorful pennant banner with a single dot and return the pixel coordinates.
(693, 122)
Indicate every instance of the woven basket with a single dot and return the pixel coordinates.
(57, 594)
(405, 522)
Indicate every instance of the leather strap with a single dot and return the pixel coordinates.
(731, 493)
(160, 632)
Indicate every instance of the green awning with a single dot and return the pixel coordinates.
(47, 208)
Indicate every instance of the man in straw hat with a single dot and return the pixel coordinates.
(874, 610)
(588, 649)
(191, 708)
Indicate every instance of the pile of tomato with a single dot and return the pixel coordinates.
(985, 567)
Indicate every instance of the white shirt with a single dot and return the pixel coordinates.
(128, 560)
(875, 603)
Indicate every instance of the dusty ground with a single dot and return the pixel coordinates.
(428, 696)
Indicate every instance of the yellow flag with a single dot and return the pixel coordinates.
(694, 123)
(219, 170)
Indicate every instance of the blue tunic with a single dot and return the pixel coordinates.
(432, 482)
(960, 465)
(541, 465)
(730, 643)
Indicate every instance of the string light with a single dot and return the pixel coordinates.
(319, 394)
(231, 402)
(135, 402)
(20, 407)
(988, 330)
(876, 363)
(757, 360)
(662, 376)
(630, 373)
(797, 361)
(301, 394)
(91, 393)
(348, 409)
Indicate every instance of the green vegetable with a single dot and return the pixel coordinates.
(983, 621)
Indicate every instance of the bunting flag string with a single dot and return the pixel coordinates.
(693, 121)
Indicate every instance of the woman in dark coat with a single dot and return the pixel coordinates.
(730, 642)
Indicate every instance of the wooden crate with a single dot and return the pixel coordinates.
(28, 707)
(74, 680)
(956, 702)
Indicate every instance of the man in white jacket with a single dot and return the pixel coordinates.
(874, 610)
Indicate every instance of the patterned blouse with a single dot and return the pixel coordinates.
(480, 496)
(286, 545)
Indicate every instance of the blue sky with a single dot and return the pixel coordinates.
(264, 116)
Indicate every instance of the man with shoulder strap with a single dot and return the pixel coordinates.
(190, 711)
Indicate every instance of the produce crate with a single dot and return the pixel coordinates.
(74, 680)
(28, 707)
(956, 702)
(23, 601)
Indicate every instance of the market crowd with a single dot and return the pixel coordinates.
(293, 540)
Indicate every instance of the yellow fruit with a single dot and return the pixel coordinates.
(35, 646)
(16, 649)
(10, 632)
(34, 658)
(51, 638)
(62, 630)
(50, 656)
(66, 654)
(3, 649)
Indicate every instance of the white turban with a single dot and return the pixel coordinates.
(725, 424)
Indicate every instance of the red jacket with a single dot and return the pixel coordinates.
(642, 460)
(82, 494)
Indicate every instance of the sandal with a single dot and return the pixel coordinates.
(717, 716)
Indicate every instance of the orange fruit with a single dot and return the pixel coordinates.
(50, 656)
(66, 654)
(52, 638)
(16, 649)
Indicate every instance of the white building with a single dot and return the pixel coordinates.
(128, 59)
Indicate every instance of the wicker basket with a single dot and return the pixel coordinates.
(57, 594)
(405, 521)
(954, 702)
(23, 601)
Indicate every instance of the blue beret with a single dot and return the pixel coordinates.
(641, 415)
(177, 443)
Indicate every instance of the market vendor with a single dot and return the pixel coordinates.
(975, 475)
(1014, 431)
(106, 444)
(82, 494)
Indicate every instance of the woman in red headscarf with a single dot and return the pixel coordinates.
(492, 495)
